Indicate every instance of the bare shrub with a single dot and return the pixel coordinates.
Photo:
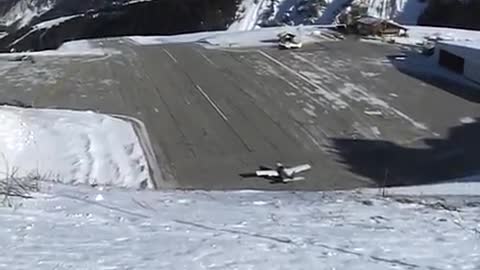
(13, 186)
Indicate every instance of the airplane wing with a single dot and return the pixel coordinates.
(269, 173)
(298, 169)
(294, 179)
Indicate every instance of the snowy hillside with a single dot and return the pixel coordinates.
(81, 228)
(32, 25)
(23, 11)
(402, 11)
(254, 13)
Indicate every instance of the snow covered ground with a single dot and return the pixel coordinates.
(70, 48)
(83, 228)
(238, 39)
(418, 34)
(71, 147)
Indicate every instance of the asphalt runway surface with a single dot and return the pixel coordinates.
(214, 114)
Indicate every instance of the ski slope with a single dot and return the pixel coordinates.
(82, 228)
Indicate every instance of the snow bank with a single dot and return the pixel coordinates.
(182, 38)
(418, 34)
(80, 228)
(81, 47)
(71, 48)
(71, 147)
(467, 186)
(239, 39)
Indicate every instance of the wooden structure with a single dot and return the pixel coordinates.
(371, 26)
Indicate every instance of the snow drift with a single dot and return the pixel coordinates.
(71, 147)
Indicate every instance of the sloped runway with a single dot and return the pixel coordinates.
(214, 114)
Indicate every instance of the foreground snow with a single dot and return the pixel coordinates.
(71, 146)
(81, 228)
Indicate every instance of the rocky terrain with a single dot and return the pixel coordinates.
(105, 18)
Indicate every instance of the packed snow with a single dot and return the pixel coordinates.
(238, 39)
(83, 228)
(70, 48)
(467, 186)
(71, 147)
(420, 34)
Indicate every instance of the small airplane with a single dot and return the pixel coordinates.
(282, 174)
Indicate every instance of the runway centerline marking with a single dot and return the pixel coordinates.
(207, 59)
(215, 106)
(170, 55)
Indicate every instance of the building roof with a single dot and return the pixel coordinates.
(375, 21)
(286, 34)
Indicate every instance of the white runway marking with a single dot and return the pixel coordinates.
(207, 59)
(170, 55)
(219, 111)
(338, 103)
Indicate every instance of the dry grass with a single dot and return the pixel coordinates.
(13, 186)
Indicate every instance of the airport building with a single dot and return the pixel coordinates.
(462, 57)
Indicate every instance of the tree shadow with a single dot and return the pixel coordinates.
(390, 164)
(424, 68)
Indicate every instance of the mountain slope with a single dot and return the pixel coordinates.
(292, 12)
(101, 18)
